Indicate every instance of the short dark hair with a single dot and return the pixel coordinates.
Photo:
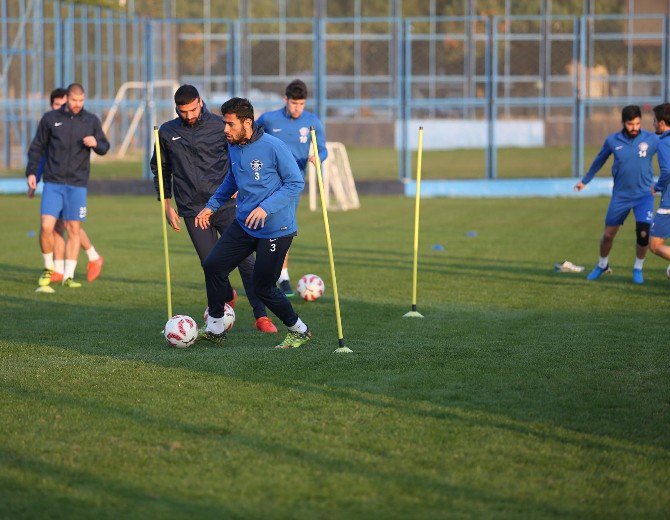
(241, 107)
(662, 113)
(296, 89)
(75, 88)
(186, 94)
(57, 93)
(630, 112)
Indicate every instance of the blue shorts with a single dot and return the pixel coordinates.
(661, 226)
(63, 201)
(643, 208)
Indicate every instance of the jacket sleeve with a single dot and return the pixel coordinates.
(167, 171)
(664, 166)
(598, 162)
(292, 180)
(103, 144)
(320, 139)
(223, 192)
(38, 147)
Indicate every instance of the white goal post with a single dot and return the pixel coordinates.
(338, 181)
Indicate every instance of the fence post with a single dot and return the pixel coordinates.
(666, 57)
(576, 53)
(491, 85)
(581, 94)
(149, 115)
(319, 66)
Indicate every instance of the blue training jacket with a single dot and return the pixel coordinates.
(264, 174)
(664, 164)
(632, 169)
(295, 133)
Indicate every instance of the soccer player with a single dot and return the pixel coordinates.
(58, 98)
(194, 157)
(291, 124)
(267, 179)
(633, 149)
(660, 229)
(66, 136)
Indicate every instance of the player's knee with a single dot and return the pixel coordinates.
(642, 233)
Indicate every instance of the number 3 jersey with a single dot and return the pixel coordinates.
(265, 174)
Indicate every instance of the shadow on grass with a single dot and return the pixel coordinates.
(467, 365)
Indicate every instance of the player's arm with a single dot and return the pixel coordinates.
(663, 158)
(37, 150)
(320, 139)
(170, 212)
(292, 181)
(223, 193)
(101, 146)
(596, 165)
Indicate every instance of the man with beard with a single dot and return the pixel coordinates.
(633, 149)
(267, 179)
(660, 229)
(194, 160)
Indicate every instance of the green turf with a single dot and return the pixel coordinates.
(522, 394)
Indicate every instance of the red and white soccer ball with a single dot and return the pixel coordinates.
(180, 331)
(311, 287)
(228, 317)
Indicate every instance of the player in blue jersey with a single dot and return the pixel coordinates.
(633, 149)
(660, 229)
(267, 179)
(291, 124)
(58, 98)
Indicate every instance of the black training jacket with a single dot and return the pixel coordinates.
(194, 159)
(60, 136)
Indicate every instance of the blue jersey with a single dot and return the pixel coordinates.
(632, 169)
(295, 133)
(264, 174)
(663, 183)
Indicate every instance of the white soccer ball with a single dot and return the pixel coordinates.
(311, 287)
(180, 331)
(228, 317)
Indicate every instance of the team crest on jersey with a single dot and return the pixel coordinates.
(256, 165)
(304, 132)
(643, 147)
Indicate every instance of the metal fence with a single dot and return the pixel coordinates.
(480, 82)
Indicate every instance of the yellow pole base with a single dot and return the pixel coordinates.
(413, 314)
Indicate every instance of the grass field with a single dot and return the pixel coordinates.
(382, 163)
(523, 393)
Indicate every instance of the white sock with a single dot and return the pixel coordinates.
(215, 325)
(284, 275)
(299, 327)
(59, 266)
(48, 260)
(70, 266)
(603, 261)
(92, 254)
(639, 262)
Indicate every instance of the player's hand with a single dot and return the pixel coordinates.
(202, 219)
(90, 141)
(312, 159)
(234, 195)
(172, 217)
(580, 186)
(32, 185)
(256, 217)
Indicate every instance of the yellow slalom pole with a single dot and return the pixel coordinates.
(413, 313)
(319, 177)
(161, 192)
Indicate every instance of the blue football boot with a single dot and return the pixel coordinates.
(597, 271)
